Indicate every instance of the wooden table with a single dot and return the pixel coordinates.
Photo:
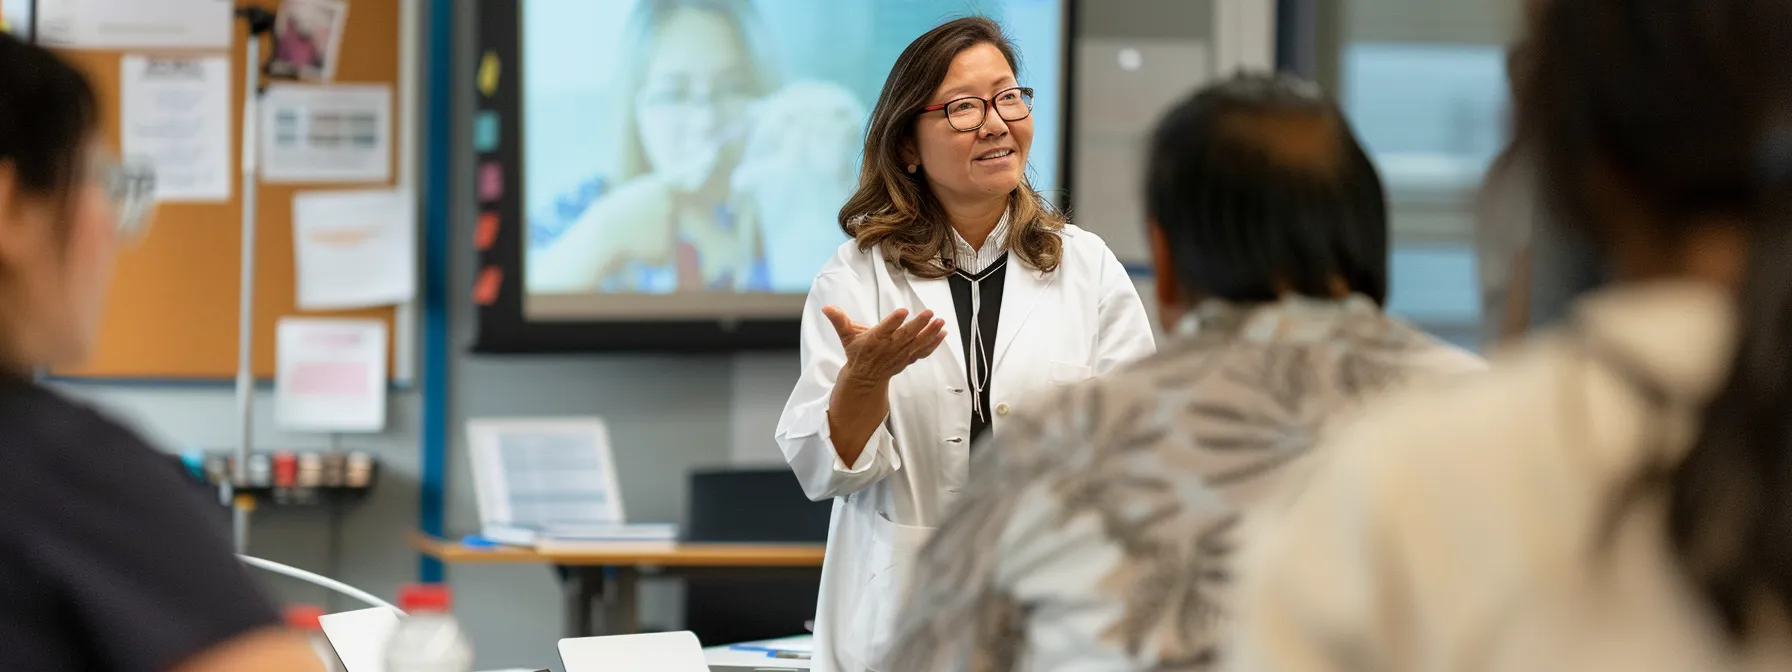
(610, 577)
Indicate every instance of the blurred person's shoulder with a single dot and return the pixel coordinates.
(1129, 407)
(50, 438)
(1466, 440)
(37, 419)
(1558, 399)
(1558, 393)
(101, 528)
(1429, 356)
(1197, 386)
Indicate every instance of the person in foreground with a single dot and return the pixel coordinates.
(1617, 495)
(1098, 530)
(946, 230)
(108, 560)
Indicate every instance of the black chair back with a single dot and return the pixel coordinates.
(751, 506)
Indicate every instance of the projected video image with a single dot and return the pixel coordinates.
(706, 146)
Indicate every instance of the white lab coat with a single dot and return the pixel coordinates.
(1080, 320)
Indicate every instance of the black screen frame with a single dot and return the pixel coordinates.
(501, 321)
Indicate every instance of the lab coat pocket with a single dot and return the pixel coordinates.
(893, 552)
(1065, 373)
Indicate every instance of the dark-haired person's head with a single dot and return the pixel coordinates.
(60, 209)
(1664, 131)
(1255, 189)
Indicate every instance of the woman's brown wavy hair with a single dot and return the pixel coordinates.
(897, 210)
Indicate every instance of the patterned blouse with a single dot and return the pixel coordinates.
(1097, 536)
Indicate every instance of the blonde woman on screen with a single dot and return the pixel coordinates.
(663, 219)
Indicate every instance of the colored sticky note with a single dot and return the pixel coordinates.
(489, 70)
(486, 232)
(485, 131)
(485, 289)
(491, 181)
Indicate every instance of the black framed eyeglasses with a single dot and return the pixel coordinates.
(968, 113)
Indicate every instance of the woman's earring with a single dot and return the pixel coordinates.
(911, 168)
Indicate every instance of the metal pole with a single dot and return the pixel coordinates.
(245, 320)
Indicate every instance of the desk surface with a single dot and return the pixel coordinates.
(675, 555)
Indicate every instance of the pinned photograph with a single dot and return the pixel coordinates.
(307, 39)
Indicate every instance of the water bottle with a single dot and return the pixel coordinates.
(429, 639)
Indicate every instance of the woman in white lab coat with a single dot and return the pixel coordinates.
(951, 247)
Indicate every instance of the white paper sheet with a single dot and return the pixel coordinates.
(331, 375)
(136, 24)
(354, 249)
(339, 133)
(175, 113)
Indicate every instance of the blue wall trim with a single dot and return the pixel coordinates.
(438, 160)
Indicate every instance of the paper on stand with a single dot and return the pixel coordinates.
(175, 113)
(552, 482)
(136, 24)
(540, 473)
(354, 249)
(340, 133)
(331, 375)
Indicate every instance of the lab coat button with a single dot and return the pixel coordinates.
(955, 390)
(955, 439)
(1002, 410)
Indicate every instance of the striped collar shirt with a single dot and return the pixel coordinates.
(973, 260)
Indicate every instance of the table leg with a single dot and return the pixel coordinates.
(621, 609)
(581, 587)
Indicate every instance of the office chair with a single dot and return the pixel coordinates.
(752, 506)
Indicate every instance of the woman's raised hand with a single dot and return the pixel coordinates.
(880, 351)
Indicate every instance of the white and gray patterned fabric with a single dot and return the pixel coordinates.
(1098, 530)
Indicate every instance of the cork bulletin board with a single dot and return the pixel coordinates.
(172, 311)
